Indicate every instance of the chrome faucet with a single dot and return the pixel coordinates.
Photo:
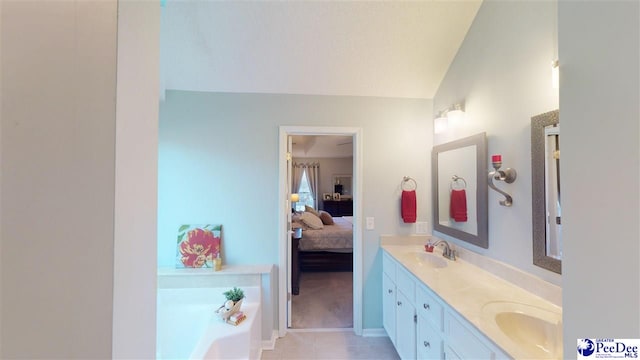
(447, 251)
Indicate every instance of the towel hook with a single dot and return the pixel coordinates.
(405, 180)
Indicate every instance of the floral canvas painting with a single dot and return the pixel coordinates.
(198, 245)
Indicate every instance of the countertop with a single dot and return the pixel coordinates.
(467, 289)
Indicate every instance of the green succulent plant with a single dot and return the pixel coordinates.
(234, 294)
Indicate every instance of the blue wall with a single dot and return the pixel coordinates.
(504, 78)
(218, 164)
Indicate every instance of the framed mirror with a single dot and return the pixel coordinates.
(545, 173)
(459, 171)
(342, 185)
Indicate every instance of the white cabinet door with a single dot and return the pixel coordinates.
(465, 341)
(429, 341)
(405, 327)
(451, 355)
(389, 307)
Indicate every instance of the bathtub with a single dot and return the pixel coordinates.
(188, 328)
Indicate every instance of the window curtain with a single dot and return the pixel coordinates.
(313, 174)
(298, 170)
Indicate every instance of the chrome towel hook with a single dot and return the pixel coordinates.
(408, 182)
(458, 183)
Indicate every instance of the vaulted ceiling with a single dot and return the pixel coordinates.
(353, 48)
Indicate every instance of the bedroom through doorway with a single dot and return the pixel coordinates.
(321, 239)
(322, 218)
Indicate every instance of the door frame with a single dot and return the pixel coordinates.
(283, 232)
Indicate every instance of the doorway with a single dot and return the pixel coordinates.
(321, 270)
(285, 291)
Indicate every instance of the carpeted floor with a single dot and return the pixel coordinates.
(325, 301)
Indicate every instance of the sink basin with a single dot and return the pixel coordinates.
(429, 259)
(535, 331)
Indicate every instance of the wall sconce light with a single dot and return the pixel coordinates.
(508, 175)
(555, 73)
(450, 117)
(456, 114)
(440, 124)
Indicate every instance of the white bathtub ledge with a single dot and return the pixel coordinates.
(224, 341)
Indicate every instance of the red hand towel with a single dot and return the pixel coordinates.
(409, 204)
(458, 205)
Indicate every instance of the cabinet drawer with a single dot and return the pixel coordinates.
(429, 308)
(405, 283)
(389, 266)
(464, 342)
(429, 341)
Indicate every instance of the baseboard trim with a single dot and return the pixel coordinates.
(321, 330)
(380, 332)
(271, 343)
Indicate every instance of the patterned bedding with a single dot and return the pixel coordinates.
(337, 237)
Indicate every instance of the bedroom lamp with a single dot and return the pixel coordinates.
(294, 199)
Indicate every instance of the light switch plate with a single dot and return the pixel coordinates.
(370, 223)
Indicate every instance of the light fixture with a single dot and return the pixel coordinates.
(555, 74)
(455, 115)
(450, 117)
(294, 199)
(440, 124)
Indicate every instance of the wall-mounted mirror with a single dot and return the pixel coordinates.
(460, 189)
(545, 170)
(342, 185)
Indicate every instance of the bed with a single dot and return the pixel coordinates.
(326, 249)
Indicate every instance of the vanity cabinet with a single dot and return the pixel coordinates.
(405, 327)
(423, 326)
(429, 341)
(399, 314)
(464, 342)
(430, 324)
(389, 307)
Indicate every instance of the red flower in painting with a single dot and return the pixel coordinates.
(199, 248)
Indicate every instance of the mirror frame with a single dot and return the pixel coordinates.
(538, 214)
(482, 210)
(336, 176)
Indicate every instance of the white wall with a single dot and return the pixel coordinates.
(58, 141)
(134, 293)
(218, 163)
(503, 74)
(599, 89)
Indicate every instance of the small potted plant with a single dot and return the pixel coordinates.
(233, 303)
(235, 295)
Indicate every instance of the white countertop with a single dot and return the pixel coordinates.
(467, 289)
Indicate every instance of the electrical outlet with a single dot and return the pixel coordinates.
(370, 223)
(421, 227)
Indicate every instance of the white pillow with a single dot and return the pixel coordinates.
(311, 221)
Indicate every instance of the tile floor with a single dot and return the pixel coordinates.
(330, 345)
